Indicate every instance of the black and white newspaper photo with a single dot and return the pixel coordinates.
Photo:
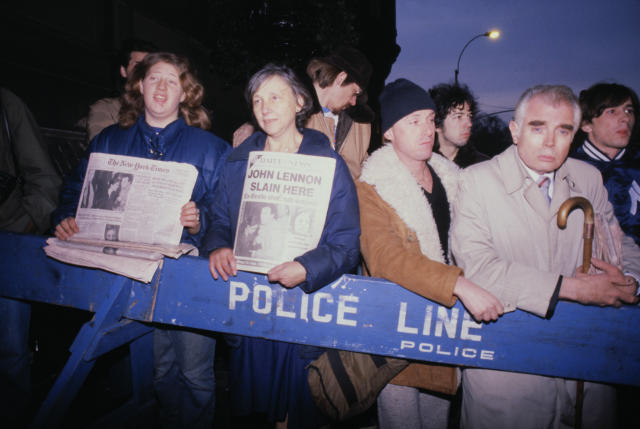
(121, 197)
(284, 206)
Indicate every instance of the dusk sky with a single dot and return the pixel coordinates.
(575, 43)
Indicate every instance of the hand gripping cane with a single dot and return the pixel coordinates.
(587, 235)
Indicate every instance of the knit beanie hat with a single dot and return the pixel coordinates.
(401, 98)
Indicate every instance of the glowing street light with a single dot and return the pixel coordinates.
(493, 34)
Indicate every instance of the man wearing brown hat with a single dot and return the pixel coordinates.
(339, 80)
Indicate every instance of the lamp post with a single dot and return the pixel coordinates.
(493, 34)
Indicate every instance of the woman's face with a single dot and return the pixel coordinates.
(275, 106)
(163, 93)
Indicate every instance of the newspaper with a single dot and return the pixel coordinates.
(283, 210)
(607, 242)
(128, 215)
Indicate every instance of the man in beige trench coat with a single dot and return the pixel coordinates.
(505, 238)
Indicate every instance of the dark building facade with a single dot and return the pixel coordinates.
(61, 56)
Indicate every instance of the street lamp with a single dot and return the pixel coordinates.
(493, 34)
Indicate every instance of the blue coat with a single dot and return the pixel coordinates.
(621, 177)
(177, 142)
(270, 376)
(338, 249)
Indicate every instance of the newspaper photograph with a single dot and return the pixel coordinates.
(132, 199)
(128, 215)
(283, 210)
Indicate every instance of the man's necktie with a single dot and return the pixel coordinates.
(543, 184)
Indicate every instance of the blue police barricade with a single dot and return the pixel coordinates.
(353, 313)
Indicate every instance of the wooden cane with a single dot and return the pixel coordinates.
(587, 235)
(563, 214)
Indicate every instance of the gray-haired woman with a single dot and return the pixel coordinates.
(270, 376)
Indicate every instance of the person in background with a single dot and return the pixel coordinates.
(506, 239)
(339, 106)
(162, 119)
(455, 109)
(29, 186)
(608, 122)
(270, 376)
(405, 193)
(104, 112)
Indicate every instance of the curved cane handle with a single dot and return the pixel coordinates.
(587, 208)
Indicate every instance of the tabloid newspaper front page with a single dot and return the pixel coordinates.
(284, 206)
(128, 215)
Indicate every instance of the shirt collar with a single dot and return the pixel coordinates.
(593, 152)
(329, 114)
(537, 176)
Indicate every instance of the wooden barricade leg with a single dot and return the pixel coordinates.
(84, 350)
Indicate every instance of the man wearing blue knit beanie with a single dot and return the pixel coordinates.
(404, 193)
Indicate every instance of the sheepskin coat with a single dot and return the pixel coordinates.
(400, 242)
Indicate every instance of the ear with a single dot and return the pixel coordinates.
(587, 127)
(513, 127)
(389, 134)
(123, 72)
(299, 103)
(141, 87)
(183, 97)
(342, 76)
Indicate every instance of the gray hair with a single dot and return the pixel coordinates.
(553, 94)
(289, 76)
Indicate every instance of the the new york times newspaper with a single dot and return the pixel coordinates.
(284, 206)
(128, 215)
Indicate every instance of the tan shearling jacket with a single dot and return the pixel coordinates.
(400, 242)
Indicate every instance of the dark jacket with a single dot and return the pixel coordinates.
(32, 182)
(467, 155)
(621, 177)
(177, 142)
(338, 249)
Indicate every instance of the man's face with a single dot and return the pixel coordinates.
(125, 182)
(342, 96)
(545, 135)
(412, 137)
(134, 58)
(456, 127)
(611, 130)
(111, 234)
(114, 186)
